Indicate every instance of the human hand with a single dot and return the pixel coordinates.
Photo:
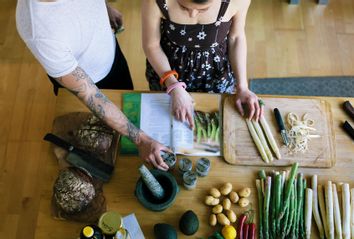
(149, 151)
(182, 106)
(115, 18)
(247, 97)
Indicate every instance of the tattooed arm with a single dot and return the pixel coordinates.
(81, 85)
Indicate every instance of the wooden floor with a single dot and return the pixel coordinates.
(283, 40)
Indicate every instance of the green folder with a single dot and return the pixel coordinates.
(131, 109)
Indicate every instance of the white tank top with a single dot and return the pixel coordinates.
(68, 33)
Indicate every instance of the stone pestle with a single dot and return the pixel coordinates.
(151, 182)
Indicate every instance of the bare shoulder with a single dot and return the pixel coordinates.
(237, 6)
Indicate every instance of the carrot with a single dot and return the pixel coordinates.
(245, 230)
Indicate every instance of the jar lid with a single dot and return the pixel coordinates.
(110, 222)
(88, 231)
(185, 164)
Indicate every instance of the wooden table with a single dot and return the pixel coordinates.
(119, 191)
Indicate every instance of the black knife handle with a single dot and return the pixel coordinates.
(58, 141)
(349, 129)
(349, 109)
(279, 119)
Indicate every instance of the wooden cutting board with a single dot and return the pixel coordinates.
(240, 149)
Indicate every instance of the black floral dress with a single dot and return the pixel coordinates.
(198, 52)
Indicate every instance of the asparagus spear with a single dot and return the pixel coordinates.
(329, 209)
(300, 194)
(270, 137)
(263, 140)
(336, 210)
(308, 212)
(288, 188)
(346, 211)
(277, 202)
(257, 141)
(315, 210)
(321, 203)
(260, 207)
(268, 187)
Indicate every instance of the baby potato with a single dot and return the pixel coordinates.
(234, 197)
(212, 220)
(211, 201)
(226, 189)
(231, 215)
(222, 219)
(243, 202)
(244, 192)
(215, 192)
(226, 203)
(217, 209)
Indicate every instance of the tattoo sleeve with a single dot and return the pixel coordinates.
(81, 85)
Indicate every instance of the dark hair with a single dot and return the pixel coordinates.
(200, 1)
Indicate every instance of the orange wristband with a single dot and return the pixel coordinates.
(165, 76)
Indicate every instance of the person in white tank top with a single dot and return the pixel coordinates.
(74, 42)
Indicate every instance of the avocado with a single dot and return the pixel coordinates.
(164, 231)
(189, 223)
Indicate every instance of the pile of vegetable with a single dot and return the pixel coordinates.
(261, 135)
(332, 210)
(221, 201)
(286, 206)
(207, 126)
(284, 203)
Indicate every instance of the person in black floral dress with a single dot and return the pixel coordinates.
(204, 41)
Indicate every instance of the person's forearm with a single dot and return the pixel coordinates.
(159, 62)
(84, 88)
(238, 60)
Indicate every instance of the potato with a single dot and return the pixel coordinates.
(234, 197)
(222, 219)
(243, 202)
(212, 220)
(231, 215)
(226, 189)
(217, 209)
(211, 201)
(226, 203)
(215, 192)
(244, 192)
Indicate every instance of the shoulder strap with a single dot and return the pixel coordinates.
(223, 8)
(163, 7)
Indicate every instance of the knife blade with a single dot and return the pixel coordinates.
(83, 159)
(281, 126)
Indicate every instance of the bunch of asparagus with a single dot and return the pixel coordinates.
(284, 208)
(207, 126)
(327, 211)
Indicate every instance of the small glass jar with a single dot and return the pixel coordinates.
(190, 180)
(111, 224)
(184, 165)
(169, 159)
(203, 167)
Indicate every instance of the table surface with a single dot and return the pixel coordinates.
(119, 192)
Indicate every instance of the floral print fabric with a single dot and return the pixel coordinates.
(199, 53)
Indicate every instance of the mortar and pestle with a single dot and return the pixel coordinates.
(155, 189)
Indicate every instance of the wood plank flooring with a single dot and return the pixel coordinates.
(283, 40)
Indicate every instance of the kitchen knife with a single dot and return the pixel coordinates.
(349, 129)
(82, 159)
(349, 109)
(281, 126)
